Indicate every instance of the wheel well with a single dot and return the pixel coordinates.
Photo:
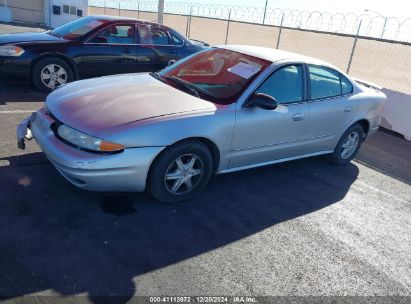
(365, 125)
(215, 152)
(68, 61)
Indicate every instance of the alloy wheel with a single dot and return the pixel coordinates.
(184, 174)
(53, 75)
(350, 145)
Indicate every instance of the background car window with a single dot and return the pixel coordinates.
(285, 85)
(155, 35)
(116, 34)
(176, 40)
(346, 86)
(325, 82)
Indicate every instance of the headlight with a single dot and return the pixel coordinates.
(85, 141)
(11, 50)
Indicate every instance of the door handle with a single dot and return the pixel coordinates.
(172, 52)
(127, 51)
(298, 117)
(347, 109)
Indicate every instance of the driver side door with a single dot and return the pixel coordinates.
(266, 135)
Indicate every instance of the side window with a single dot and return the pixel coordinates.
(176, 40)
(150, 34)
(116, 34)
(346, 86)
(285, 84)
(325, 82)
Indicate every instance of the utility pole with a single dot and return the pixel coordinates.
(160, 11)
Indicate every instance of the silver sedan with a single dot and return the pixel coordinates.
(221, 110)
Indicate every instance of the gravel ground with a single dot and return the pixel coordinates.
(303, 228)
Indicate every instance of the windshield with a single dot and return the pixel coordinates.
(217, 75)
(77, 28)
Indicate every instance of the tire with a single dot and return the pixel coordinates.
(348, 145)
(60, 73)
(171, 173)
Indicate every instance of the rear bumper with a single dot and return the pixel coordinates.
(374, 125)
(125, 171)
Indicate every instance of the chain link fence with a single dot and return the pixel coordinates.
(362, 46)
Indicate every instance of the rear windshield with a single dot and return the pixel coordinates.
(77, 28)
(218, 75)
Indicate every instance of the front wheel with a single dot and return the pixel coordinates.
(180, 172)
(49, 73)
(348, 145)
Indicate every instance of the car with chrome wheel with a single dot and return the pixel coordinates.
(220, 110)
(89, 47)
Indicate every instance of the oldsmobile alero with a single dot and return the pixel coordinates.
(220, 110)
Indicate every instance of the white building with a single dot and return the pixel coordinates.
(52, 13)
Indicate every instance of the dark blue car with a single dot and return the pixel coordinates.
(92, 46)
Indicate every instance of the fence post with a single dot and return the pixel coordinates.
(383, 28)
(105, 7)
(228, 26)
(138, 10)
(119, 8)
(265, 11)
(353, 47)
(188, 26)
(279, 33)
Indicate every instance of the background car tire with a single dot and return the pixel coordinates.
(164, 173)
(61, 71)
(355, 134)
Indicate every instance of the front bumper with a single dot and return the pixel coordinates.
(125, 171)
(15, 67)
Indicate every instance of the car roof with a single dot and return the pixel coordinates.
(120, 18)
(272, 55)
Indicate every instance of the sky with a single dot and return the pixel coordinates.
(390, 8)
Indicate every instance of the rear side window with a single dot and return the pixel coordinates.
(285, 84)
(326, 82)
(346, 86)
(176, 40)
(151, 34)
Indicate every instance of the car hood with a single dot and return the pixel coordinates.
(100, 104)
(27, 37)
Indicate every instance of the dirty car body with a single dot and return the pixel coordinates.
(143, 116)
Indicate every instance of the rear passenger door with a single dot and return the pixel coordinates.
(156, 47)
(332, 107)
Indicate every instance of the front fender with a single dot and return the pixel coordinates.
(216, 126)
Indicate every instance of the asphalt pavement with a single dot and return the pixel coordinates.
(302, 228)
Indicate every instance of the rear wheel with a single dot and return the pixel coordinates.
(49, 73)
(180, 172)
(348, 145)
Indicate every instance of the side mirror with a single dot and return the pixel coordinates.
(262, 101)
(171, 62)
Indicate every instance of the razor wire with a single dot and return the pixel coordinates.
(373, 25)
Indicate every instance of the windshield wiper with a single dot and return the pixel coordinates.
(185, 84)
(156, 76)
